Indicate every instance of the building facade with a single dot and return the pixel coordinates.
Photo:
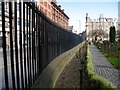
(119, 12)
(54, 12)
(100, 27)
(7, 25)
(70, 28)
(88, 32)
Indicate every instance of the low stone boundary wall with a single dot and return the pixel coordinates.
(50, 74)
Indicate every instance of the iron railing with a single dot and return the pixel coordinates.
(34, 42)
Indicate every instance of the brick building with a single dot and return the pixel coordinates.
(54, 12)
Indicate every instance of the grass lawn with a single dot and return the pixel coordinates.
(114, 61)
(112, 57)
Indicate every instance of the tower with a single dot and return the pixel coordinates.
(87, 26)
(119, 15)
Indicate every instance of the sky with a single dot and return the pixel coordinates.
(77, 9)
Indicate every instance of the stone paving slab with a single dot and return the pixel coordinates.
(103, 68)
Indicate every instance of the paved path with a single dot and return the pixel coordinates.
(103, 67)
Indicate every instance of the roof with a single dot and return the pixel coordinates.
(54, 4)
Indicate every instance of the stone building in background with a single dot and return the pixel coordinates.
(99, 29)
(119, 12)
(70, 28)
(87, 26)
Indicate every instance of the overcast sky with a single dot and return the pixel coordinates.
(77, 9)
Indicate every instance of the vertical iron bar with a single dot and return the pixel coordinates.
(38, 44)
(41, 43)
(24, 31)
(16, 47)
(36, 36)
(4, 47)
(44, 44)
(34, 44)
(60, 41)
(56, 42)
(51, 45)
(33, 41)
(35, 28)
(47, 54)
(38, 40)
(30, 43)
(11, 47)
(53, 42)
(27, 47)
(21, 63)
(49, 40)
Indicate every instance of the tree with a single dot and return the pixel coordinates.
(99, 33)
(119, 36)
(112, 34)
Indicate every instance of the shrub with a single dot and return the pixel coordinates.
(112, 34)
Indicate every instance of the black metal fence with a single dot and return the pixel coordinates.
(34, 42)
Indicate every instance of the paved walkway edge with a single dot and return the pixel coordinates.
(51, 73)
(101, 65)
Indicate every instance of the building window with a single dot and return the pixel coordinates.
(46, 12)
(53, 17)
(17, 6)
(0, 12)
(41, 2)
(41, 8)
(6, 7)
(0, 25)
(0, 8)
(48, 6)
(45, 3)
(18, 22)
(49, 14)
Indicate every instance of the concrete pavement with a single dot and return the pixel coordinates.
(103, 68)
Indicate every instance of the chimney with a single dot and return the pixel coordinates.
(86, 14)
(59, 6)
(54, 1)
